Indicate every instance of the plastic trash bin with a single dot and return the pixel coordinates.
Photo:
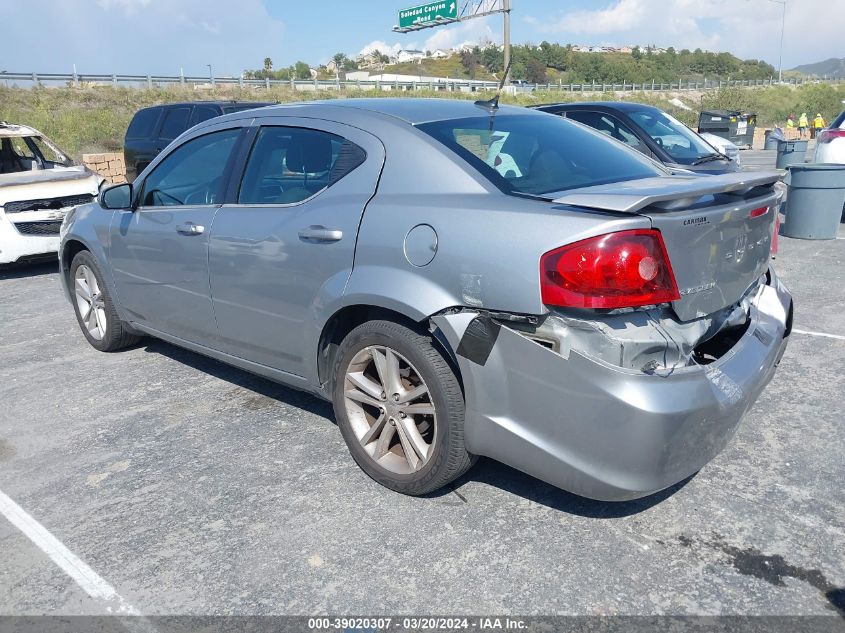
(791, 153)
(815, 200)
(773, 137)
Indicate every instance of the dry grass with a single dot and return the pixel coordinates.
(94, 119)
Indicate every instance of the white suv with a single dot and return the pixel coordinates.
(830, 144)
(38, 185)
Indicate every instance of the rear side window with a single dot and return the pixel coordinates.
(175, 122)
(203, 113)
(839, 121)
(539, 155)
(288, 165)
(143, 123)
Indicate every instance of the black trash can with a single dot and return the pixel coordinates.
(737, 127)
(815, 201)
(791, 153)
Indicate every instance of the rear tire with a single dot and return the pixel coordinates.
(400, 408)
(94, 308)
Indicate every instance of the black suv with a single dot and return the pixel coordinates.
(152, 129)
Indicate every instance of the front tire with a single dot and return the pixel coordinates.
(400, 408)
(93, 306)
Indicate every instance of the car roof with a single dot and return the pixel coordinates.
(9, 130)
(620, 106)
(222, 103)
(412, 110)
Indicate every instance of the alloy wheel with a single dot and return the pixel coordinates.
(390, 409)
(90, 302)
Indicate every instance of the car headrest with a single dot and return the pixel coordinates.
(309, 154)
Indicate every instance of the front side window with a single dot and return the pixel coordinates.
(175, 122)
(539, 155)
(203, 113)
(192, 174)
(288, 164)
(21, 148)
(609, 125)
(681, 143)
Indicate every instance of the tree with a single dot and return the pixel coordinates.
(637, 53)
(340, 59)
(302, 70)
(268, 64)
(535, 71)
(470, 63)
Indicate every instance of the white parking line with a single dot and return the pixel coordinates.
(90, 582)
(822, 334)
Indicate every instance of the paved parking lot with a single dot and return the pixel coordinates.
(195, 488)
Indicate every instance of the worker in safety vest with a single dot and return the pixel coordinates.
(818, 125)
(790, 122)
(803, 123)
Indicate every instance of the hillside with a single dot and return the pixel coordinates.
(832, 67)
(451, 67)
(94, 119)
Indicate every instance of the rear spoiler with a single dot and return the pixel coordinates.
(665, 193)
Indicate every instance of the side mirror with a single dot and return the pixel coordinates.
(116, 197)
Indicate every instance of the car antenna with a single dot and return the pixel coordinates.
(493, 104)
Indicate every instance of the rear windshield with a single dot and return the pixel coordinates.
(539, 155)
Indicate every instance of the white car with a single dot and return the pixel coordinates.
(723, 145)
(830, 144)
(39, 184)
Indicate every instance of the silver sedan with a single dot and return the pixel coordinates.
(458, 278)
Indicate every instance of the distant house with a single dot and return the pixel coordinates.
(410, 56)
(331, 67)
(441, 54)
(625, 49)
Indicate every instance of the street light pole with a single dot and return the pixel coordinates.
(782, 31)
(210, 74)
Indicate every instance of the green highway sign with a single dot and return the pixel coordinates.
(447, 9)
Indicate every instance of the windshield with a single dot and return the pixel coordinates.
(681, 143)
(28, 153)
(539, 154)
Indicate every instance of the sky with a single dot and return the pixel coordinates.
(166, 36)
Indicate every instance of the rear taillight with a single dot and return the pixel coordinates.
(617, 270)
(756, 213)
(827, 136)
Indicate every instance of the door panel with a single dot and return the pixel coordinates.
(159, 252)
(288, 244)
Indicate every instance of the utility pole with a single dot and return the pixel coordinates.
(506, 9)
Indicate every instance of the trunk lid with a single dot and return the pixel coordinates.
(718, 241)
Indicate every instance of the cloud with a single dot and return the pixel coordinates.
(382, 47)
(469, 32)
(748, 28)
(129, 6)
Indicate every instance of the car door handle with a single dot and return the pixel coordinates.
(189, 228)
(320, 233)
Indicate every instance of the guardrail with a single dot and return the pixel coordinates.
(445, 84)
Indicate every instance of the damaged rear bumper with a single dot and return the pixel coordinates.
(604, 431)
